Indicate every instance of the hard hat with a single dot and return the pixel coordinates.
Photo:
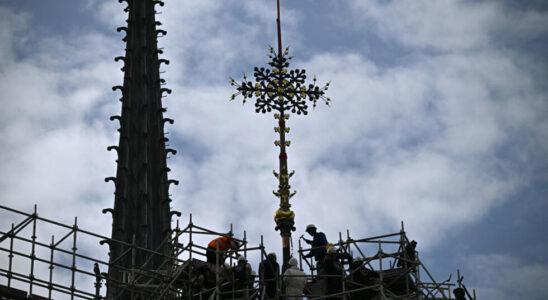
(272, 254)
(310, 226)
(331, 250)
(329, 245)
(293, 261)
(242, 258)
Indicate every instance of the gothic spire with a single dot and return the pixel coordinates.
(141, 214)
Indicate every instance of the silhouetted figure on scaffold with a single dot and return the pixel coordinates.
(242, 278)
(333, 266)
(269, 272)
(409, 254)
(318, 244)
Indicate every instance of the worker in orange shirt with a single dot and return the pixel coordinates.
(223, 243)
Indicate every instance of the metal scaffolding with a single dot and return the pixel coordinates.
(392, 273)
(61, 268)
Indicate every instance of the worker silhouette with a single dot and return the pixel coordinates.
(318, 244)
(269, 272)
(410, 252)
(333, 266)
(243, 276)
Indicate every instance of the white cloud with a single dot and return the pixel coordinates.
(447, 25)
(109, 13)
(10, 35)
(53, 125)
(503, 276)
(451, 26)
(416, 141)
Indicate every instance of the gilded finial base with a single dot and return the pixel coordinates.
(284, 215)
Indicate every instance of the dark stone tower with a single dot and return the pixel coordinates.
(141, 213)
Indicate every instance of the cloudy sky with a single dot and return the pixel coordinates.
(438, 119)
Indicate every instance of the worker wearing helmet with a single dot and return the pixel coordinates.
(243, 278)
(223, 243)
(334, 268)
(269, 272)
(318, 244)
(294, 281)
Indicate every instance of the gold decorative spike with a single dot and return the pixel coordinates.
(277, 129)
(277, 116)
(277, 143)
(286, 116)
(276, 194)
(291, 174)
(287, 130)
(284, 192)
(287, 143)
(277, 175)
(292, 194)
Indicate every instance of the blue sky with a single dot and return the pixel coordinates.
(438, 118)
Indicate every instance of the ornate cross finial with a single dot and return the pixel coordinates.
(279, 89)
(284, 91)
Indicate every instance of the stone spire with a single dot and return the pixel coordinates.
(141, 214)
